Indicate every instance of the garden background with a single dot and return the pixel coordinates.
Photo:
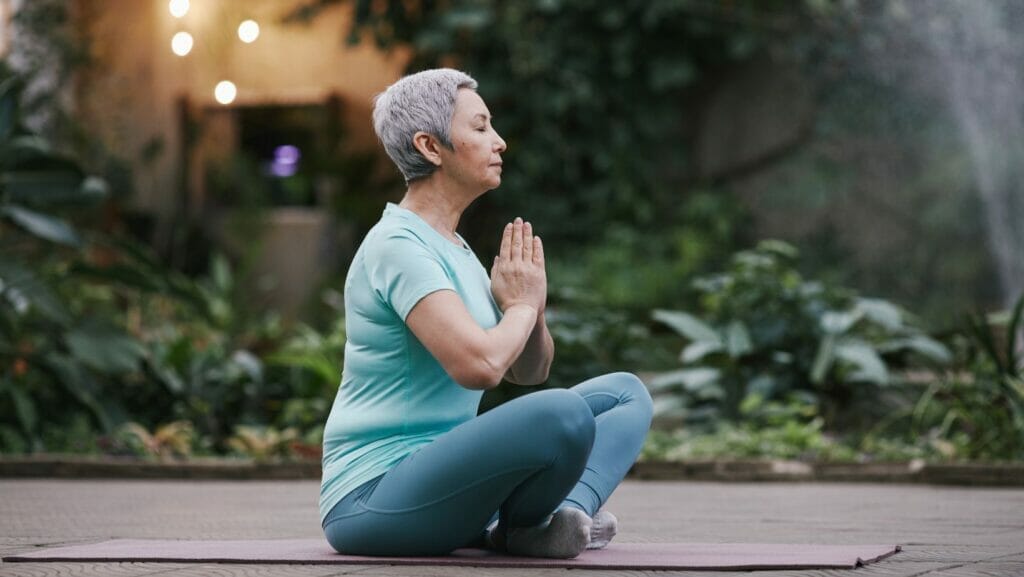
(797, 221)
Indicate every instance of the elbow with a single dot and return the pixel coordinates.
(479, 376)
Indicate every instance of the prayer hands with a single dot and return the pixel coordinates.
(518, 275)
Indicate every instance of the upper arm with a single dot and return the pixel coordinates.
(443, 324)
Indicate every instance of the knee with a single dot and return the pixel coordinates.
(563, 414)
(637, 393)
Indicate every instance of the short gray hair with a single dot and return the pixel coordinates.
(424, 101)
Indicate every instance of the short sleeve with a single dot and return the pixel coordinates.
(402, 270)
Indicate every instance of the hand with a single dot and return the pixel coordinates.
(518, 275)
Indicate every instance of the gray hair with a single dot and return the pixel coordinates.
(424, 101)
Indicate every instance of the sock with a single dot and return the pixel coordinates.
(604, 528)
(563, 535)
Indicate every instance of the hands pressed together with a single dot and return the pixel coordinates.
(518, 275)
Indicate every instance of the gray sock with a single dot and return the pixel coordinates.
(604, 528)
(563, 535)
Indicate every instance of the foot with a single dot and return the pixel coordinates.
(563, 535)
(604, 528)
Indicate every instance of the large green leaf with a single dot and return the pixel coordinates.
(881, 312)
(870, 366)
(24, 406)
(688, 325)
(823, 359)
(697, 350)
(838, 322)
(737, 339)
(19, 284)
(920, 344)
(43, 226)
(105, 348)
(691, 380)
(55, 189)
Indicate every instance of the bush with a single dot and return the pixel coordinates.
(765, 330)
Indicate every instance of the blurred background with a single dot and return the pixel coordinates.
(799, 221)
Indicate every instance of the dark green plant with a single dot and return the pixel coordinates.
(764, 330)
(592, 97)
(977, 412)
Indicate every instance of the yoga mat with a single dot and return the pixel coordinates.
(663, 556)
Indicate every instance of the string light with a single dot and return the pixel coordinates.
(225, 92)
(178, 8)
(248, 31)
(181, 44)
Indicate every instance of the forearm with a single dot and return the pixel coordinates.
(534, 363)
(507, 340)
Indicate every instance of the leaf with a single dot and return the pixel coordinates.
(688, 325)
(881, 312)
(105, 348)
(249, 363)
(737, 339)
(21, 283)
(823, 359)
(696, 351)
(690, 379)
(25, 409)
(870, 366)
(670, 406)
(921, 344)
(43, 226)
(838, 322)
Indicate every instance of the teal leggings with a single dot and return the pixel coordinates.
(518, 462)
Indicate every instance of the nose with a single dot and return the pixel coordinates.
(500, 144)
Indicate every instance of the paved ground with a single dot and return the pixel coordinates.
(946, 532)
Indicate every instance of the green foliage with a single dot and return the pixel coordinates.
(978, 413)
(765, 330)
(591, 97)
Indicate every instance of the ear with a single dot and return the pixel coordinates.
(428, 146)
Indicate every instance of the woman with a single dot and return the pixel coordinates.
(408, 466)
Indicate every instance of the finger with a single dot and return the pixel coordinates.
(506, 243)
(538, 251)
(517, 239)
(527, 242)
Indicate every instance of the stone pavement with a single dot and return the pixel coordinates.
(945, 531)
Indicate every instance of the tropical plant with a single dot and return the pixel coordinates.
(175, 439)
(261, 442)
(978, 413)
(765, 330)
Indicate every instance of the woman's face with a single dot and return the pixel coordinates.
(475, 161)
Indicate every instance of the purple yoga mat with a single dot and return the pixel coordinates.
(664, 556)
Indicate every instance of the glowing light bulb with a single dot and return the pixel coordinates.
(248, 31)
(181, 44)
(178, 8)
(225, 92)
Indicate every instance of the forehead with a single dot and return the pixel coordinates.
(468, 104)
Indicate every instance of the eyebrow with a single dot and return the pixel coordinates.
(482, 115)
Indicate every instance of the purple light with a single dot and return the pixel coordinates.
(286, 161)
(287, 154)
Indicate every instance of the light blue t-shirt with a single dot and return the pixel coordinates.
(394, 395)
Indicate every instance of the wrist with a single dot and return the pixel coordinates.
(523, 306)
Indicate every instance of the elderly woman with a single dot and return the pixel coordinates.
(409, 468)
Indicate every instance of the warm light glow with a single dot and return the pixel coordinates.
(225, 92)
(248, 31)
(181, 44)
(178, 8)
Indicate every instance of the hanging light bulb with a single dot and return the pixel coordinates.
(178, 8)
(248, 31)
(225, 92)
(181, 44)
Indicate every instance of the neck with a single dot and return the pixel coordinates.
(438, 205)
